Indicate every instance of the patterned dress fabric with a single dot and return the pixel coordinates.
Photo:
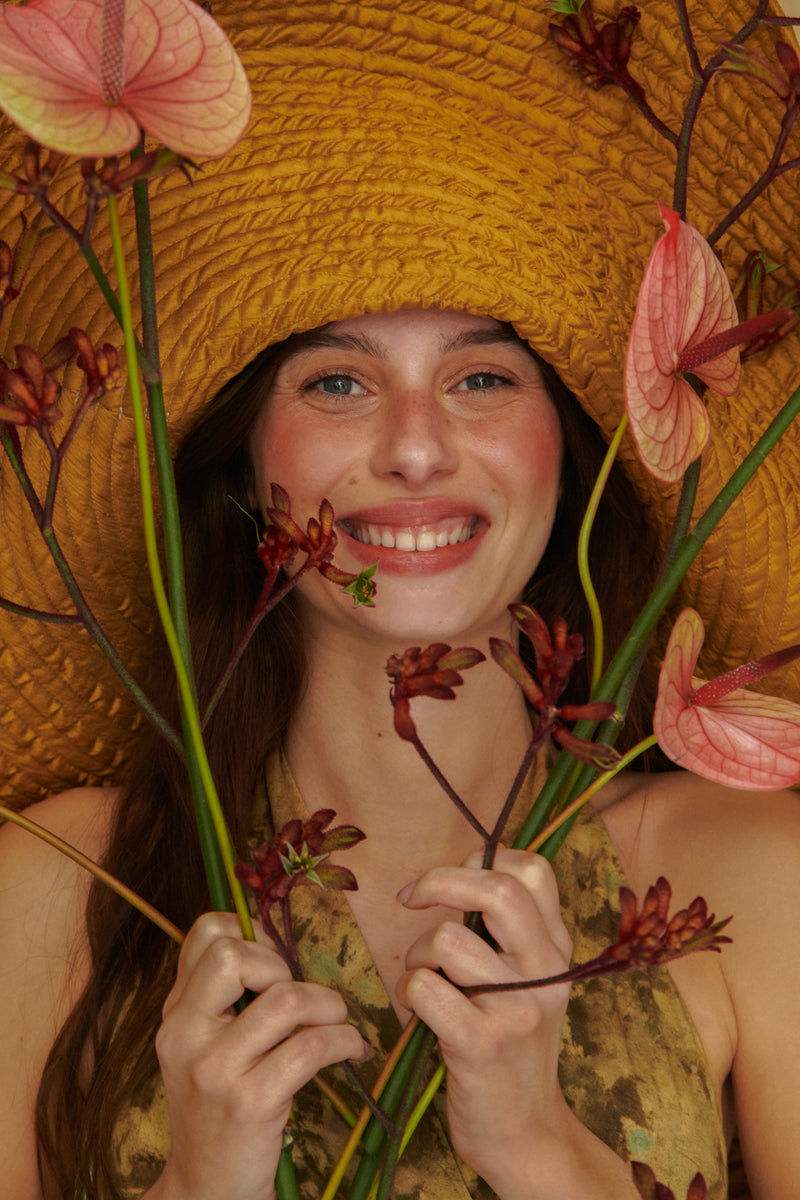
(632, 1066)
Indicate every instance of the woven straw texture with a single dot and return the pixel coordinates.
(402, 152)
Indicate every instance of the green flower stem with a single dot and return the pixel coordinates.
(597, 784)
(38, 614)
(364, 1116)
(423, 1104)
(285, 1178)
(82, 242)
(99, 872)
(11, 445)
(405, 1108)
(583, 551)
(173, 547)
(335, 1100)
(694, 541)
(184, 683)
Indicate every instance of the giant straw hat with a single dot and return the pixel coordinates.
(401, 153)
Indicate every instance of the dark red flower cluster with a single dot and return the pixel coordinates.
(298, 854)
(646, 939)
(556, 653)
(29, 392)
(650, 937)
(106, 176)
(432, 672)
(283, 537)
(37, 175)
(600, 55)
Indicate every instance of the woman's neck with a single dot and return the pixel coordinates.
(345, 754)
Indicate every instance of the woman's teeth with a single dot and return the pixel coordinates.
(407, 539)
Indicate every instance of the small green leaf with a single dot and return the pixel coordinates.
(362, 589)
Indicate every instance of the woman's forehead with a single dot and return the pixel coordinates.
(448, 330)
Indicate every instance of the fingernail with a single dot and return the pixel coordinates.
(406, 892)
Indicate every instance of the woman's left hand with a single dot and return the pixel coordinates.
(501, 1049)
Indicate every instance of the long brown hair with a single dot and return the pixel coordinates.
(154, 845)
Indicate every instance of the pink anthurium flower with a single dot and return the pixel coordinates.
(685, 298)
(85, 77)
(720, 729)
(685, 321)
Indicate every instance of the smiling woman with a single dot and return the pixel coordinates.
(402, 303)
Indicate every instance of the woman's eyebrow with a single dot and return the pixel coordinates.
(323, 340)
(480, 337)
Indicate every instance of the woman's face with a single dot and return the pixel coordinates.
(433, 437)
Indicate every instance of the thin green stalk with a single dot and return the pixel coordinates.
(346, 1156)
(403, 1114)
(173, 545)
(285, 1178)
(95, 869)
(583, 551)
(572, 810)
(422, 1105)
(38, 614)
(11, 445)
(184, 683)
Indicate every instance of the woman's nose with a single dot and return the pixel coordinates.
(416, 441)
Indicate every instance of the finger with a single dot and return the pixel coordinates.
(207, 929)
(464, 957)
(225, 968)
(456, 1020)
(276, 1015)
(528, 933)
(298, 1059)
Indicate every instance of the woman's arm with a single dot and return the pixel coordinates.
(762, 970)
(43, 961)
(507, 1115)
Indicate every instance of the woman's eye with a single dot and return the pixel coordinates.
(481, 381)
(339, 385)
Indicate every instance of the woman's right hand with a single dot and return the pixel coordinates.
(229, 1078)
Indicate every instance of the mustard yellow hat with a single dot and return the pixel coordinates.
(401, 153)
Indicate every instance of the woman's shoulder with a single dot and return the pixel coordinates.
(44, 891)
(696, 832)
(43, 954)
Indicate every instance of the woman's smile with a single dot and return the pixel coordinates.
(414, 538)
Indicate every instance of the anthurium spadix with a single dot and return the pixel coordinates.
(720, 729)
(85, 77)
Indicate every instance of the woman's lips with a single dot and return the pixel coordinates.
(411, 543)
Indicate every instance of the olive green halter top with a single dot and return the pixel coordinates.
(632, 1065)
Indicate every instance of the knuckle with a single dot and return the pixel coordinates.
(227, 954)
(448, 937)
(284, 999)
(506, 890)
(210, 926)
(314, 1044)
